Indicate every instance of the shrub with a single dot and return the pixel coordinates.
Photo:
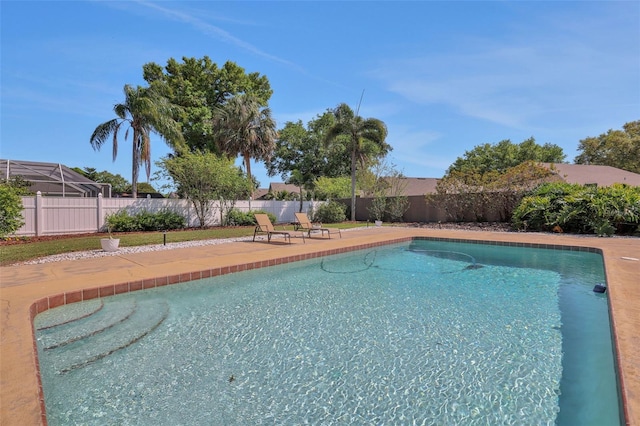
(166, 219)
(330, 212)
(397, 207)
(10, 211)
(237, 218)
(580, 209)
(377, 207)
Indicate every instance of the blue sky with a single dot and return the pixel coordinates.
(443, 76)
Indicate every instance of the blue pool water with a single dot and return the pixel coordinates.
(422, 333)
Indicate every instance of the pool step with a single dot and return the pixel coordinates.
(148, 315)
(64, 314)
(110, 315)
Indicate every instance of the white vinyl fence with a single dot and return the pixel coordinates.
(62, 215)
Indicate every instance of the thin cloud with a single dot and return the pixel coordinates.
(518, 82)
(216, 32)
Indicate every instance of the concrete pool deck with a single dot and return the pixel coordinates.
(26, 290)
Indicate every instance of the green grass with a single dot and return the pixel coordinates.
(10, 254)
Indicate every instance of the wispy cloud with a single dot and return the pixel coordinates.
(514, 81)
(214, 31)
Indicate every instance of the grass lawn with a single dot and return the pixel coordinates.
(33, 248)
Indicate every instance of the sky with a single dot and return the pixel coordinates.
(444, 76)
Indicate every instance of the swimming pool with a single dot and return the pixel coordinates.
(430, 331)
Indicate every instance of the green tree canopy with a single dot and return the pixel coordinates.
(199, 87)
(202, 177)
(616, 148)
(365, 140)
(301, 157)
(118, 182)
(470, 193)
(144, 111)
(505, 154)
(331, 188)
(143, 187)
(245, 128)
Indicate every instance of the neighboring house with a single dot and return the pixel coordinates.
(278, 187)
(418, 186)
(571, 173)
(53, 179)
(259, 193)
(584, 174)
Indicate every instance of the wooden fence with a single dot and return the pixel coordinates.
(70, 215)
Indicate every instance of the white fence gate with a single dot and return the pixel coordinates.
(62, 215)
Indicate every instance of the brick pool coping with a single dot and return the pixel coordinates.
(27, 290)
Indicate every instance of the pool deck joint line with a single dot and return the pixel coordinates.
(26, 290)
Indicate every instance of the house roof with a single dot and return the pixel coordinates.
(585, 174)
(420, 186)
(259, 193)
(53, 179)
(276, 187)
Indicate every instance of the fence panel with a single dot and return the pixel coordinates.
(28, 216)
(64, 215)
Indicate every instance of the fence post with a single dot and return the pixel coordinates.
(39, 214)
(100, 212)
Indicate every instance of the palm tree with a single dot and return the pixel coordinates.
(365, 140)
(144, 110)
(245, 128)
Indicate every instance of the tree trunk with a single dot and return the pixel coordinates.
(134, 165)
(353, 186)
(247, 164)
(300, 198)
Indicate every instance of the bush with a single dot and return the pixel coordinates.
(397, 207)
(10, 211)
(580, 209)
(330, 212)
(237, 218)
(122, 221)
(167, 219)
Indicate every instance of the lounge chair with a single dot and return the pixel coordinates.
(265, 226)
(305, 225)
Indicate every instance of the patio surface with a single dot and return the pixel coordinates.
(26, 290)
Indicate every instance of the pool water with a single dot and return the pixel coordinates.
(421, 333)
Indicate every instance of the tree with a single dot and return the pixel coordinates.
(505, 154)
(365, 141)
(118, 183)
(244, 128)
(199, 87)
(202, 177)
(144, 111)
(10, 209)
(470, 194)
(144, 187)
(616, 148)
(19, 185)
(327, 188)
(302, 158)
(398, 202)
